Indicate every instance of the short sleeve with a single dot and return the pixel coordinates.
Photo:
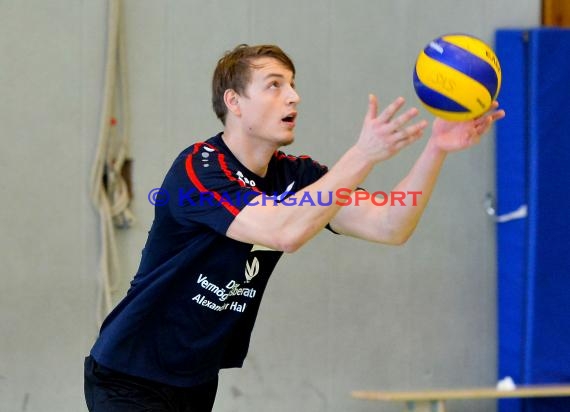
(203, 191)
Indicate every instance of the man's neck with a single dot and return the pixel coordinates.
(251, 152)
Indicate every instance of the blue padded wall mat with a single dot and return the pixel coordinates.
(533, 169)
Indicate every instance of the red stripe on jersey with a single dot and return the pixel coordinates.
(196, 181)
(281, 156)
(228, 173)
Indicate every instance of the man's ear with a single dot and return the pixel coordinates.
(231, 99)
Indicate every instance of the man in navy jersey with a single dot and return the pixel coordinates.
(192, 305)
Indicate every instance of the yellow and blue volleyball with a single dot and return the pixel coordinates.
(457, 77)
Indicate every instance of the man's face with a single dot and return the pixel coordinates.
(269, 105)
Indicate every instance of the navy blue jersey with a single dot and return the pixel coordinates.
(191, 307)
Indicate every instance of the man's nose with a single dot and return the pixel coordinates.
(293, 96)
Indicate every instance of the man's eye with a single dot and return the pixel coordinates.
(275, 84)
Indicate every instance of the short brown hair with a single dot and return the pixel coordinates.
(233, 71)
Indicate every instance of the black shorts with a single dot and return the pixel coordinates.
(110, 391)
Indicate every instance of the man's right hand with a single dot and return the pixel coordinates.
(384, 135)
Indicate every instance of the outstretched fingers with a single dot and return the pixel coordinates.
(409, 134)
(397, 123)
(484, 123)
(385, 134)
(372, 107)
(399, 133)
(391, 110)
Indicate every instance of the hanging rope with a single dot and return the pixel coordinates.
(110, 177)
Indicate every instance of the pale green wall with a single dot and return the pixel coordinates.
(338, 315)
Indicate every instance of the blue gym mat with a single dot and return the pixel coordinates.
(533, 171)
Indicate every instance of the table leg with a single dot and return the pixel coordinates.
(425, 406)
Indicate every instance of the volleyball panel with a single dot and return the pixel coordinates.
(470, 97)
(480, 49)
(466, 61)
(457, 77)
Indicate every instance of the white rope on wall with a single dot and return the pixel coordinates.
(110, 192)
